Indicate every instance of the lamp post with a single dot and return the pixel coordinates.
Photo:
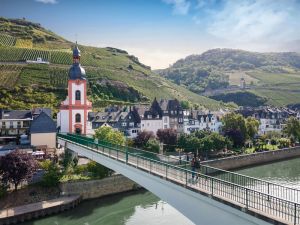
(179, 150)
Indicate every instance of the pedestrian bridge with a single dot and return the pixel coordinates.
(209, 197)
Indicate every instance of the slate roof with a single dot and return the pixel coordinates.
(43, 124)
(37, 111)
(76, 71)
(15, 114)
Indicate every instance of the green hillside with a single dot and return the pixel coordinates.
(114, 76)
(271, 78)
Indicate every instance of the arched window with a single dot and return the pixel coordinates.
(77, 95)
(77, 118)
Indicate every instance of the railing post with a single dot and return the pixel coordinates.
(246, 198)
(268, 191)
(166, 171)
(295, 214)
(186, 178)
(212, 186)
(126, 155)
(150, 166)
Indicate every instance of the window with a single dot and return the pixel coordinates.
(131, 124)
(3, 124)
(11, 124)
(77, 95)
(77, 118)
(124, 124)
(19, 124)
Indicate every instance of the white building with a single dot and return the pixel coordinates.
(73, 114)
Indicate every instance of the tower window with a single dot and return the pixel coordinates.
(77, 95)
(77, 118)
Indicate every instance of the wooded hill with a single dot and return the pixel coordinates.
(114, 76)
(271, 77)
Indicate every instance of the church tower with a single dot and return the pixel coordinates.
(73, 115)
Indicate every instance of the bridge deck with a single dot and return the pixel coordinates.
(252, 201)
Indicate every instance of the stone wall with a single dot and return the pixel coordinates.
(98, 188)
(236, 162)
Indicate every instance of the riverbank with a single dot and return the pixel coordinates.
(254, 159)
(36, 210)
(71, 193)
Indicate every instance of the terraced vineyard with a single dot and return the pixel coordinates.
(9, 75)
(7, 40)
(33, 54)
(24, 43)
(11, 54)
(60, 57)
(58, 77)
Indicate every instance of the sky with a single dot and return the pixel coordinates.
(159, 32)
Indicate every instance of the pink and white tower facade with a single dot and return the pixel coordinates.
(73, 114)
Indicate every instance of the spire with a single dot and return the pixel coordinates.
(76, 71)
(76, 54)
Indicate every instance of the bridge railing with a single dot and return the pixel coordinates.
(251, 200)
(256, 184)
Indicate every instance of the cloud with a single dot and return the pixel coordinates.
(253, 20)
(47, 1)
(180, 7)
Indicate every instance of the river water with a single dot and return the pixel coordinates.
(144, 208)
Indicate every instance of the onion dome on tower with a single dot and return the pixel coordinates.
(76, 71)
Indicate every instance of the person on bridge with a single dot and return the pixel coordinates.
(197, 167)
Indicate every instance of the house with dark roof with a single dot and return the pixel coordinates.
(14, 123)
(43, 131)
(125, 119)
(272, 119)
(163, 114)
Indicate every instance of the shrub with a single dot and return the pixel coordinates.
(3, 190)
(98, 170)
(284, 142)
(52, 174)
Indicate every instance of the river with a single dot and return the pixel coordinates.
(145, 208)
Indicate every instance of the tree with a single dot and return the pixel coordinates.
(234, 127)
(292, 128)
(142, 138)
(168, 137)
(252, 125)
(16, 167)
(152, 145)
(214, 142)
(110, 135)
(185, 104)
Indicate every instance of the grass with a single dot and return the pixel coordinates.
(280, 89)
(266, 78)
(235, 78)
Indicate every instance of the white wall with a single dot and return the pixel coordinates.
(79, 87)
(48, 139)
(63, 120)
(151, 125)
